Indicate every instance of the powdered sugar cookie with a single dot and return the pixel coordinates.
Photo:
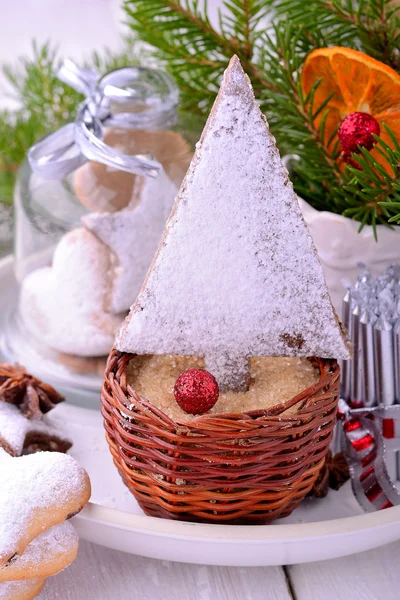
(103, 189)
(37, 492)
(63, 305)
(18, 434)
(236, 274)
(133, 235)
(21, 590)
(46, 555)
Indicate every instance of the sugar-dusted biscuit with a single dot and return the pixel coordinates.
(19, 434)
(236, 273)
(21, 590)
(37, 492)
(63, 305)
(132, 235)
(46, 555)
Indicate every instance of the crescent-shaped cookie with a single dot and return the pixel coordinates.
(46, 555)
(37, 492)
(21, 590)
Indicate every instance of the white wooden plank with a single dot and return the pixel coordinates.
(372, 575)
(103, 574)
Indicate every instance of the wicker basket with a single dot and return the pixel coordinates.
(243, 468)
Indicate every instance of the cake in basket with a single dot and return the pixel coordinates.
(220, 396)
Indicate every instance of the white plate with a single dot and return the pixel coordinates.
(317, 530)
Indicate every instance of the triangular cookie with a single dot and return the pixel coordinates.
(236, 273)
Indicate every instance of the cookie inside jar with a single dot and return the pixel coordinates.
(101, 189)
(86, 234)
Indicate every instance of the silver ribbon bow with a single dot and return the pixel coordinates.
(64, 151)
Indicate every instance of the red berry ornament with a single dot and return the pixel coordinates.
(196, 391)
(355, 130)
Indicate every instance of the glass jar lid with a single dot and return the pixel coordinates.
(138, 95)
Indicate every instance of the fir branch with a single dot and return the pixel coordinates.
(370, 190)
(37, 89)
(372, 26)
(17, 133)
(292, 116)
(241, 22)
(193, 51)
(196, 53)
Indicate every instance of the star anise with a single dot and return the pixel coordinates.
(333, 474)
(33, 397)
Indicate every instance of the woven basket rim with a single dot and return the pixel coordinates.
(327, 367)
(219, 467)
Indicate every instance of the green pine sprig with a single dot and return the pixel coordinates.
(371, 191)
(196, 52)
(372, 26)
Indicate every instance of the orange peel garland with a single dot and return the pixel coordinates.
(360, 84)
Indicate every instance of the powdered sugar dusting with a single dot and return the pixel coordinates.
(47, 483)
(132, 235)
(14, 427)
(21, 590)
(63, 305)
(59, 539)
(52, 545)
(236, 271)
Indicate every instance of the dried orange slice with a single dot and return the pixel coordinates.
(360, 84)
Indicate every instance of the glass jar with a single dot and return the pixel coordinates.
(83, 242)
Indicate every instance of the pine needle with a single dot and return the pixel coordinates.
(272, 39)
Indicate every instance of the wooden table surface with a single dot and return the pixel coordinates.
(103, 574)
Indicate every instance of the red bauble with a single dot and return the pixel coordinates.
(196, 391)
(356, 130)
